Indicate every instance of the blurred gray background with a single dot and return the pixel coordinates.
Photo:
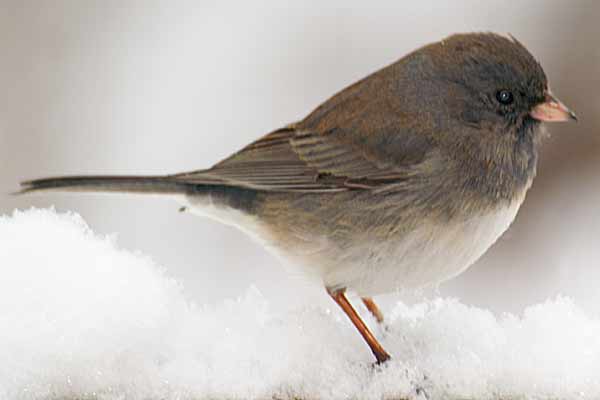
(161, 87)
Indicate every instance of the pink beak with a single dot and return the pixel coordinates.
(552, 110)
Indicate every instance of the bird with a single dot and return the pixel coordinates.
(399, 181)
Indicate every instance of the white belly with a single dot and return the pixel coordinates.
(426, 256)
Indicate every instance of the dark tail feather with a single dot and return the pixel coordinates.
(127, 184)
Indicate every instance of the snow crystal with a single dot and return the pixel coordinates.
(81, 318)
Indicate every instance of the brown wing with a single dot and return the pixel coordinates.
(362, 138)
(293, 160)
(270, 163)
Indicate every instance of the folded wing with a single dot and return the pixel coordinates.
(290, 159)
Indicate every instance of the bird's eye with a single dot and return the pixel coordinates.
(504, 97)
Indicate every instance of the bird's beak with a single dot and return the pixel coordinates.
(552, 110)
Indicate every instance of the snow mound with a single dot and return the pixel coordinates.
(81, 318)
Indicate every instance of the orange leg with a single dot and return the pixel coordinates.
(339, 296)
(372, 307)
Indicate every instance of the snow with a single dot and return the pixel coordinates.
(82, 318)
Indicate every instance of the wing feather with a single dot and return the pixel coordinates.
(354, 141)
(292, 160)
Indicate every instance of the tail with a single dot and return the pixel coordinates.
(126, 184)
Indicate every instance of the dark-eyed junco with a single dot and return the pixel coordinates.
(401, 180)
